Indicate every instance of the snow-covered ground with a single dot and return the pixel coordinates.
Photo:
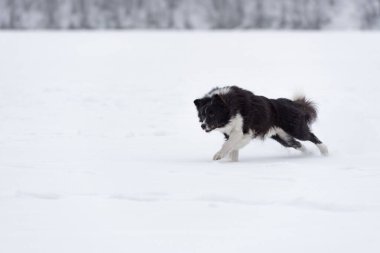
(101, 149)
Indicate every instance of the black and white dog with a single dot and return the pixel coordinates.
(241, 116)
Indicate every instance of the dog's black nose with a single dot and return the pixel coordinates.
(203, 126)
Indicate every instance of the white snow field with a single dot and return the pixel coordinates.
(101, 149)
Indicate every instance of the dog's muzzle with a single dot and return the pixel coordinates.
(206, 128)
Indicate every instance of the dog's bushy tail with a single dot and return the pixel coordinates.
(308, 106)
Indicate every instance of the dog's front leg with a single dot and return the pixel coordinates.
(234, 155)
(230, 145)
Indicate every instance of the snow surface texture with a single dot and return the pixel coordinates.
(101, 150)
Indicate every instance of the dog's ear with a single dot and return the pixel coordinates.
(217, 99)
(199, 102)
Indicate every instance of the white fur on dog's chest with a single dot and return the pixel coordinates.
(235, 124)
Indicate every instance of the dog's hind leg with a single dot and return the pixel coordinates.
(277, 138)
(288, 141)
(322, 147)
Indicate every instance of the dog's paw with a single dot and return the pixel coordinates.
(304, 150)
(218, 156)
(323, 149)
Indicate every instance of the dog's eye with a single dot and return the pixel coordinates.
(211, 115)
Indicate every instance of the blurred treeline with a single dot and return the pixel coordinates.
(190, 14)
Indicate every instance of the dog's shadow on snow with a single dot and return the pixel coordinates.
(265, 159)
(278, 158)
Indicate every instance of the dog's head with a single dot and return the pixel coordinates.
(213, 112)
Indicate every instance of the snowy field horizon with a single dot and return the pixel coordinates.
(101, 149)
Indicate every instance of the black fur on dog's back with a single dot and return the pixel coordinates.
(255, 110)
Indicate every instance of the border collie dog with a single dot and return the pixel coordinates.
(242, 116)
